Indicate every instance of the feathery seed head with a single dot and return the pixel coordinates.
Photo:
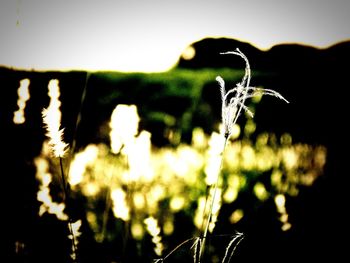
(233, 100)
(52, 120)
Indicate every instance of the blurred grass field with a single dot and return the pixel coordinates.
(162, 173)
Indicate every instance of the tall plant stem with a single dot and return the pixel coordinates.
(66, 199)
(215, 187)
(78, 120)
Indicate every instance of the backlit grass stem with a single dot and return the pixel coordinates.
(52, 121)
(66, 200)
(212, 200)
(232, 104)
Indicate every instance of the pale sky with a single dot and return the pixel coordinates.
(150, 35)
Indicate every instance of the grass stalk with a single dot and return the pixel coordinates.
(66, 200)
(228, 256)
(211, 201)
(197, 241)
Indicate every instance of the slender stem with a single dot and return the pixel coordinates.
(197, 255)
(74, 244)
(66, 199)
(78, 120)
(240, 238)
(177, 247)
(82, 100)
(65, 190)
(205, 207)
(215, 187)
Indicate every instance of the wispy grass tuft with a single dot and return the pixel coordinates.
(52, 120)
(233, 100)
(232, 104)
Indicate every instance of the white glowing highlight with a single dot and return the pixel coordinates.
(213, 164)
(120, 207)
(124, 126)
(154, 230)
(23, 97)
(43, 195)
(81, 161)
(52, 120)
(280, 201)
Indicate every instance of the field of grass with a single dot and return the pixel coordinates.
(138, 183)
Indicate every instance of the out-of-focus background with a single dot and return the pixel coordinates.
(141, 112)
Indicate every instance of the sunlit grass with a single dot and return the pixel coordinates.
(44, 197)
(175, 177)
(52, 121)
(125, 179)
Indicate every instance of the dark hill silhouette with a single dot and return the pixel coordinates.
(280, 57)
(292, 56)
(208, 54)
